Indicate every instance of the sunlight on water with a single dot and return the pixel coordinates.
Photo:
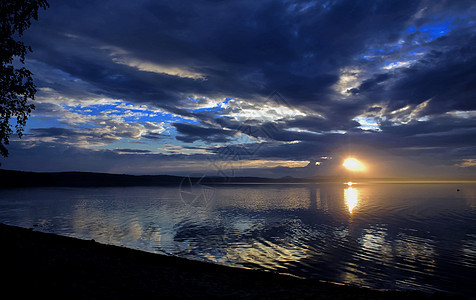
(399, 235)
(267, 254)
(351, 197)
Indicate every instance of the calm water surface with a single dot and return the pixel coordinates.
(380, 235)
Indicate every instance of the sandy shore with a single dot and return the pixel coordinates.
(40, 264)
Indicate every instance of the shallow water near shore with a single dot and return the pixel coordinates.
(380, 235)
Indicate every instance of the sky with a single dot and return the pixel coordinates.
(252, 88)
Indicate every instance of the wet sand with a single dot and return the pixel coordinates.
(40, 264)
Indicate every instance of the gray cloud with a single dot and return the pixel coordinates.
(191, 133)
(406, 68)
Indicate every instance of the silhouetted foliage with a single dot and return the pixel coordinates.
(16, 83)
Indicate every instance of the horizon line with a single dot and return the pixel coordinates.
(195, 175)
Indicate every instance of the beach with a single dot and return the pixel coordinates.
(43, 264)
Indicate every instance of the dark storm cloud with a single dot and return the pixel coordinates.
(138, 151)
(371, 84)
(108, 133)
(242, 47)
(450, 82)
(436, 126)
(68, 136)
(52, 156)
(246, 48)
(447, 77)
(449, 138)
(163, 52)
(191, 133)
(56, 132)
(153, 136)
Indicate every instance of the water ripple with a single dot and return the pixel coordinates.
(395, 236)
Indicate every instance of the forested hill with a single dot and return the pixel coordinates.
(9, 178)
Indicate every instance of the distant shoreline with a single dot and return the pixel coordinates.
(44, 264)
(11, 178)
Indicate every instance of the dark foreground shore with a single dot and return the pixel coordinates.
(46, 265)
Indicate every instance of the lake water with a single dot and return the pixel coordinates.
(380, 235)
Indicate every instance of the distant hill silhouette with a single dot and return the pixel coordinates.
(11, 179)
(81, 179)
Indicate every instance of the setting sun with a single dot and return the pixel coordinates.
(353, 164)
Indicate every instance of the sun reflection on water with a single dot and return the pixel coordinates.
(351, 197)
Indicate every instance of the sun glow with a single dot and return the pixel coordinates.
(354, 165)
